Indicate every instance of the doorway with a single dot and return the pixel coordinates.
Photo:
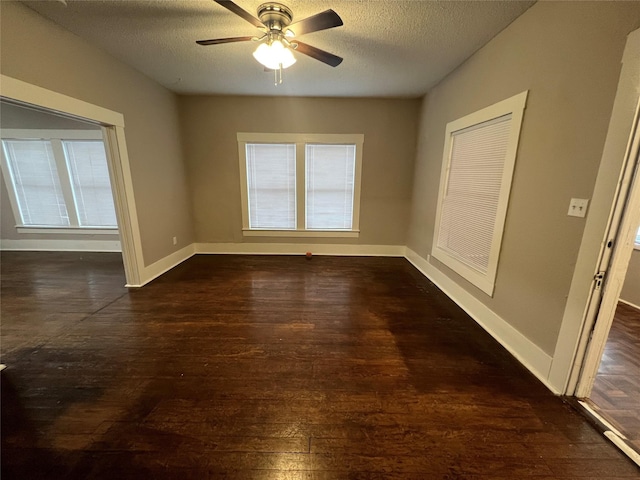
(615, 332)
(112, 126)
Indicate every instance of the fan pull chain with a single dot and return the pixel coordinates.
(277, 76)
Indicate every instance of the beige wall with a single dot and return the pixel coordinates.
(567, 54)
(39, 52)
(631, 288)
(209, 127)
(17, 116)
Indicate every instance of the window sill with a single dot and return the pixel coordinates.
(302, 233)
(66, 230)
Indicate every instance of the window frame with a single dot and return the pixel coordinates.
(56, 137)
(300, 140)
(514, 106)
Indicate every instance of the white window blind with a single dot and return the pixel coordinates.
(271, 185)
(35, 181)
(472, 191)
(87, 163)
(478, 163)
(330, 172)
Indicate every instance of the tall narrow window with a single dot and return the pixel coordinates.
(87, 163)
(330, 172)
(478, 164)
(271, 179)
(470, 201)
(35, 182)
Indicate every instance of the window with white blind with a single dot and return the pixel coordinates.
(478, 164)
(271, 185)
(300, 184)
(58, 179)
(330, 173)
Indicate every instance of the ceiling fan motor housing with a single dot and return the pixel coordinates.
(275, 16)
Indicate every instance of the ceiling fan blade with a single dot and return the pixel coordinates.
(229, 5)
(322, 55)
(217, 41)
(320, 21)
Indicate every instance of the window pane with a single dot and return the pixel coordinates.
(473, 191)
(330, 186)
(90, 183)
(638, 237)
(271, 182)
(35, 181)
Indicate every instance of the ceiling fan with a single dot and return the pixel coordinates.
(279, 35)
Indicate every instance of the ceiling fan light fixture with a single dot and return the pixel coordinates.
(274, 55)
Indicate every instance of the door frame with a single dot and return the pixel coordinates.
(613, 264)
(582, 303)
(112, 124)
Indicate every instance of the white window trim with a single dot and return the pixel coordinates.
(300, 139)
(56, 137)
(514, 106)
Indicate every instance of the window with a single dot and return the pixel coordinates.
(300, 184)
(477, 168)
(271, 183)
(87, 165)
(58, 179)
(637, 242)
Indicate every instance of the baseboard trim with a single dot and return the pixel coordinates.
(153, 271)
(524, 350)
(300, 249)
(629, 303)
(32, 245)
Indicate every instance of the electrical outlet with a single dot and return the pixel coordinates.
(175, 240)
(578, 207)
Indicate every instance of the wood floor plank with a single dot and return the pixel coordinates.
(247, 367)
(616, 390)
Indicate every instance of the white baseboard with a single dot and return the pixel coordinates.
(153, 271)
(300, 249)
(61, 245)
(523, 349)
(629, 303)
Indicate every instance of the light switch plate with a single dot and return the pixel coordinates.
(578, 207)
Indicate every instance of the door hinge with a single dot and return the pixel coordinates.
(599, 278)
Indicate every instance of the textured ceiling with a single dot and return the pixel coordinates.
(390, 48)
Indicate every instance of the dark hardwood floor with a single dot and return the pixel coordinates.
(616, 391)
(247, 367)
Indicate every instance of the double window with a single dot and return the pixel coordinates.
(299, 184)
(477, 168)
(58, 180)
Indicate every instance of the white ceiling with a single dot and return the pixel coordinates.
(390, 48)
